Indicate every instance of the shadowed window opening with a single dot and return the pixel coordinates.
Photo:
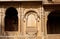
(53, 23)
(11, 19)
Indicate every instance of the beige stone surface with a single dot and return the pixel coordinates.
(29, 12)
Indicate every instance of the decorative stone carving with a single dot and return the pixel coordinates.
(30, 19)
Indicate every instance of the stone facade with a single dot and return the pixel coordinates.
(32, 19)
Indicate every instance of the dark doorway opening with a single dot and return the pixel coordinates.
(11, 19)
(53, 23)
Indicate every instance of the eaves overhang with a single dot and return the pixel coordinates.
(9, 1)
(18, 0)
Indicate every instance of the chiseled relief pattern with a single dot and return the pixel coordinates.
(31, 18)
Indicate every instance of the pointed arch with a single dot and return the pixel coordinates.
(31, 18)
(31, 12)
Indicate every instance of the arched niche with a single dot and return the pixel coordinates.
(53, 23)
(31, 16)
(31, 19)
(11, 19)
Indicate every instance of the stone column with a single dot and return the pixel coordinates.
(0, 21)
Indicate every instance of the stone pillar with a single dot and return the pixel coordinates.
(0, 20)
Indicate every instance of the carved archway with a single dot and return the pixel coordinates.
(31, 18)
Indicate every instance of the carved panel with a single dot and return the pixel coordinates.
(31, 19)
